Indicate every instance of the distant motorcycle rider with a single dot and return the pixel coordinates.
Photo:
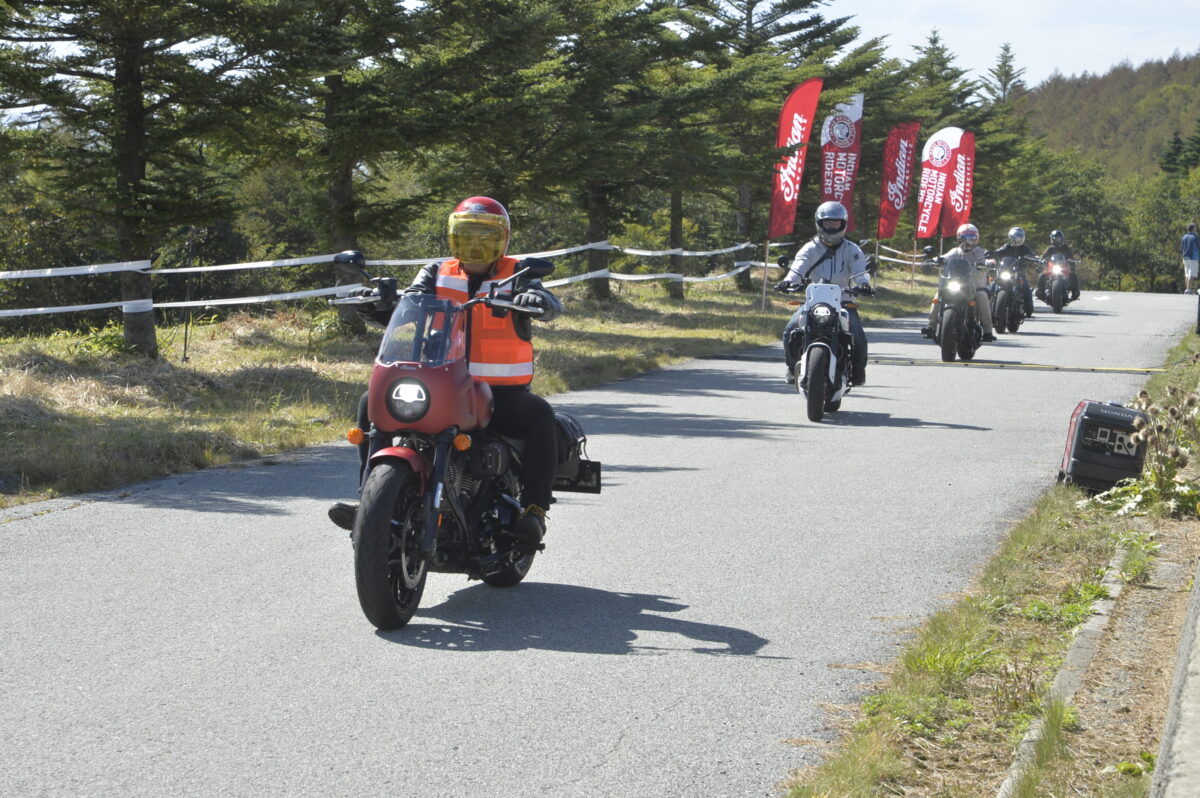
(1058, 246)
(968, 247)
(1016, 247)
(500, 351)
(829, 258)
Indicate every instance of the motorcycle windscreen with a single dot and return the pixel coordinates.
(828, 293)
(424, 329)
(958, 268)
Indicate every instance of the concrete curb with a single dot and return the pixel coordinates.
(1075, 666)
(1177, 771)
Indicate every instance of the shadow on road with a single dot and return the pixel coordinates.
(851, 418)
(555, 617)
(647, 421)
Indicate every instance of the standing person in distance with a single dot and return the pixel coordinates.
(1058, 245)
(1016, 247)
(500, 351)
(830, 258)
(968, 247)
(1190, 249)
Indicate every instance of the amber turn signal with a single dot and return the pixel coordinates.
(462, 441)
(356, 436)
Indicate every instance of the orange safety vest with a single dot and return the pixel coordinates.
(497, 354)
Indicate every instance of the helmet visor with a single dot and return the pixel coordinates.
(476, 242)
(832, 225)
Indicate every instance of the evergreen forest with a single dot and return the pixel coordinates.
(198, 132)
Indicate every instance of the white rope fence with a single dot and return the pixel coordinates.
(144, 305)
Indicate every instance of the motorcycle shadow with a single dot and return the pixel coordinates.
(556, 617)
(859, 418)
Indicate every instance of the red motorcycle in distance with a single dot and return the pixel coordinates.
(440, 491)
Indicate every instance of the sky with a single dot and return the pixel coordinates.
(1070, 36)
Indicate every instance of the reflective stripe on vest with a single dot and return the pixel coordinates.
(498, 355)
(488, 370)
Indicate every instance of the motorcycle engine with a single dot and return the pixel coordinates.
(489, 460)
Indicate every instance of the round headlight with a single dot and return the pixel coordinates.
(407, 399)
(1005, 275)
(954, 286)
(821, 315)
(1057, 269)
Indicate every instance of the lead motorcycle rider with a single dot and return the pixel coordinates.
(968, 247)
(829, 258)
(501, 352)
(1017, 248)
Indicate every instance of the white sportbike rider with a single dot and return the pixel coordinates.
(829, 258)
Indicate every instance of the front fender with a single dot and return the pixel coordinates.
(415, 459)
(833, 360)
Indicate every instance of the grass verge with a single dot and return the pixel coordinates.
(948, 718)
(78, 414)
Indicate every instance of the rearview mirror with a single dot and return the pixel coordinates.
(535, 268)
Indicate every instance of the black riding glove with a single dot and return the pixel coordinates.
(530, 299)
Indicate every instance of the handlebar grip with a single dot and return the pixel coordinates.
(515, 308)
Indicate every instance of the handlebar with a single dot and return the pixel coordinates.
(504, 304)
(785, 287)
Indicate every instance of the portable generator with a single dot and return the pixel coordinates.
(1100, 451)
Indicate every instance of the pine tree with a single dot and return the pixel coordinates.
(1171, 159)
(1003, 83)
(129, 89)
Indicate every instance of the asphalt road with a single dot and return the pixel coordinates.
(744, 567)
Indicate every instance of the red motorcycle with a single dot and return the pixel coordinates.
(440, 491)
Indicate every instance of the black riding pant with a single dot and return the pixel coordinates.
(521, 413)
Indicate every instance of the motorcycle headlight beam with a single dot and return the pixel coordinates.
(1057, 269)
(954, 286)
(408, 399)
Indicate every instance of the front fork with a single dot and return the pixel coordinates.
(432, 498)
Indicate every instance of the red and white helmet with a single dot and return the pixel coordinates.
(479, 231)
(968, 237)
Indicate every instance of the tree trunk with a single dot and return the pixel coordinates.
(597, 213)
(674, 288)
(742, 279)
(343, 224)
(129, 148)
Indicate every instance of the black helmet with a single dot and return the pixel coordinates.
(1057, 238)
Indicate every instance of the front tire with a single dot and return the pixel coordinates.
(1016, 314)
(389, 569)
(818, 371)
(949, 334)
(1000, 312)
(1058, 296)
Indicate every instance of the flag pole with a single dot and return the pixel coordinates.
(766, 262)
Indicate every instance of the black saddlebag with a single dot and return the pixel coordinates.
(575, 472)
